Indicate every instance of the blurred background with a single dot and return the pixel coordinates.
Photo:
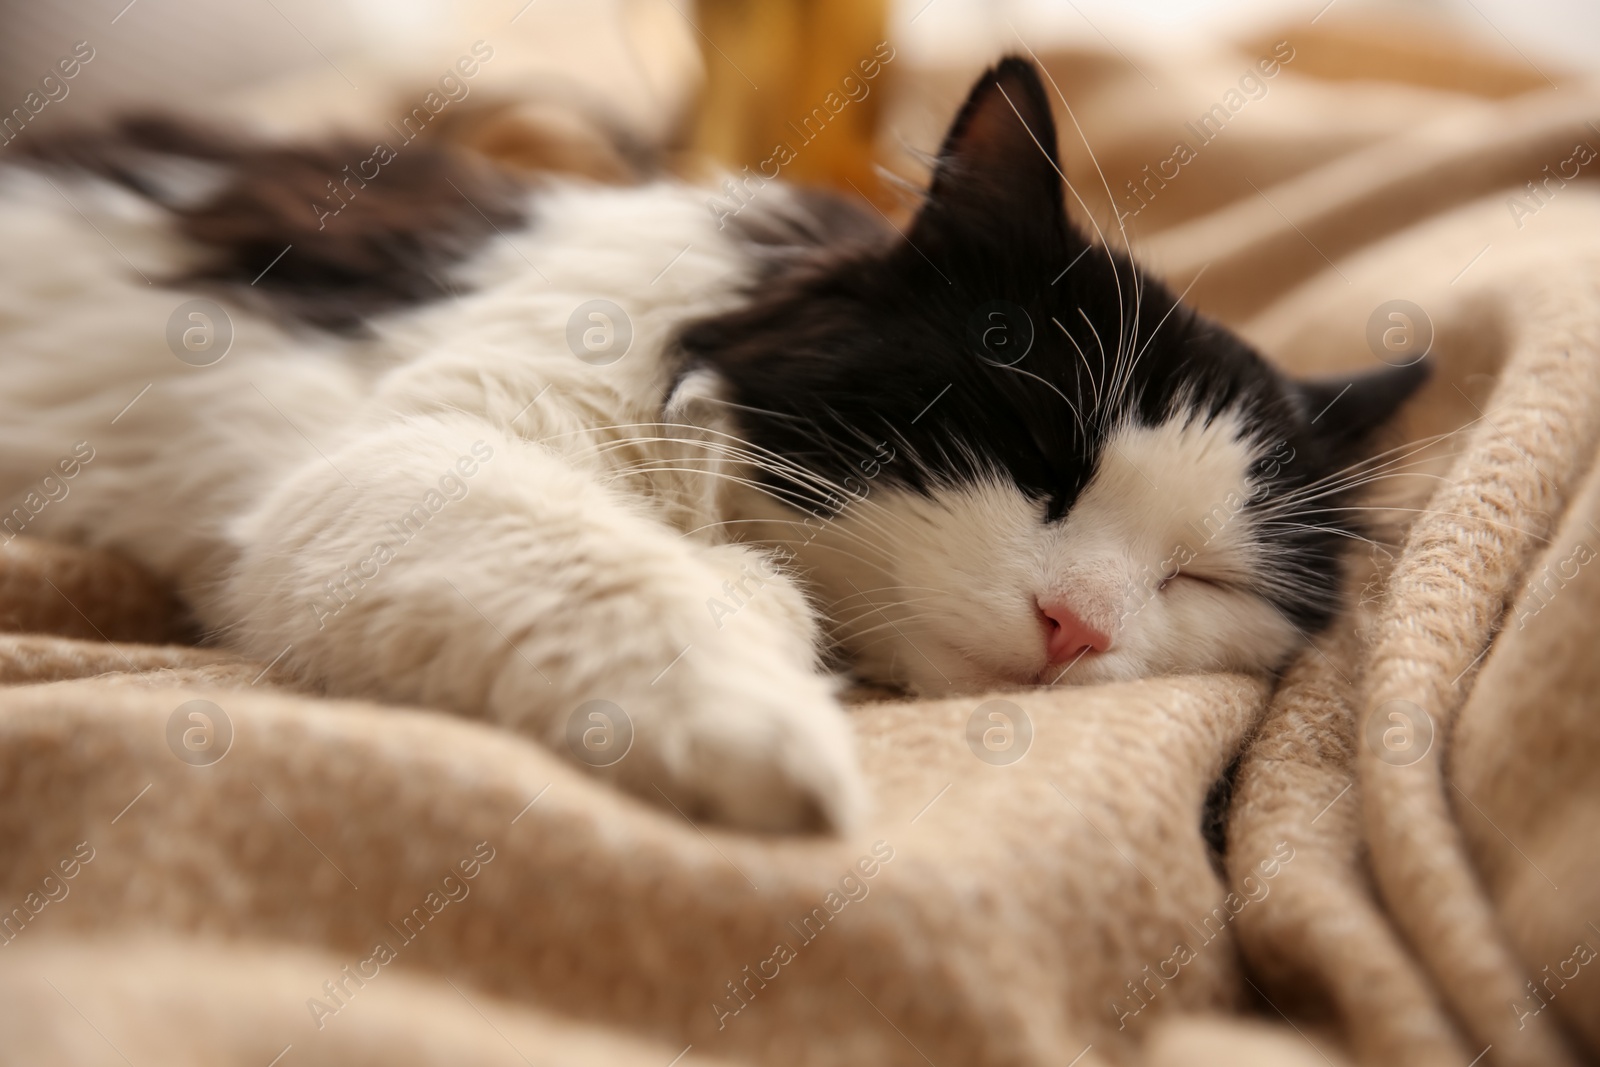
(715, 85)
(154, 50)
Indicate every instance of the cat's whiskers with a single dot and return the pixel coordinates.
(1076, 416)
(762, 459)
(888, 630)
(788, 471)
(847, 622)
(1465, 518)
(681, 438)
(791, 498)
(1102, 413)
(1126, 338)
(1315, 528)
(826, 440)
(801, 529)
(839, 550)
(1134, 364)
(834, 521)
(1094, 382)
(1352, 485)
(903, 447)
(1354, 475)
(1111, 201)
(1289, 577)
(1302, 503)
(865, 593)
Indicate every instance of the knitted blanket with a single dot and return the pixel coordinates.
(201, 864)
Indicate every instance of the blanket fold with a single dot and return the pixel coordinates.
(392, 838)
(1410, 870)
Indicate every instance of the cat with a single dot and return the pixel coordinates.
(631, 451)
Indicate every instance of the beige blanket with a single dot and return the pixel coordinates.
(268, 877)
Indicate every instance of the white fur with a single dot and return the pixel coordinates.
(461, 513)
(553, 576)
(942, 592)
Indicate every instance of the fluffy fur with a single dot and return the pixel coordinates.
(454, 509)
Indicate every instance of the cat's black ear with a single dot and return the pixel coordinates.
(1345, 411)
(998, 167)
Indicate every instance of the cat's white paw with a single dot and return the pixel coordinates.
(775, 756)
(742, 730)
(766, 764)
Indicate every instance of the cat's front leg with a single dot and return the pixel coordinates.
(438, 562)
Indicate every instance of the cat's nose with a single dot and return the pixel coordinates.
(1066, 635)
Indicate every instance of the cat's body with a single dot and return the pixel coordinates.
(476, 507)
(262, 485)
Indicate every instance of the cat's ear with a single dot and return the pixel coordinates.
(699, 400)
(1345, 411)
(998, 168)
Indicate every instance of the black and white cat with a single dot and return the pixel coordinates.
(644, 457)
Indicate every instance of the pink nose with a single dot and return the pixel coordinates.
(1066, 636)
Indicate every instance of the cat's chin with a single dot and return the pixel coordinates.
(1097, 669)
(1089, 670)
(970, 678)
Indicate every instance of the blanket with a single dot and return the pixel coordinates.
(206, 864)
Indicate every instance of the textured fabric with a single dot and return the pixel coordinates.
(954, 921)
(41, 586)
(1390, 887)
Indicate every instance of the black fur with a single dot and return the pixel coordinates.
(918, 343)
(389, 247)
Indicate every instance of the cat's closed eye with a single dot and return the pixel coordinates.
(934, 457)
(1129, 491)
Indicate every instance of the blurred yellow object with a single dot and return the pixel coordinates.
(776, 88)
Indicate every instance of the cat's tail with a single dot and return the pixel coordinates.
(371, 227)
(339, 229)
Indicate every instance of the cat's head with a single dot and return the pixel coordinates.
(1001, 453)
